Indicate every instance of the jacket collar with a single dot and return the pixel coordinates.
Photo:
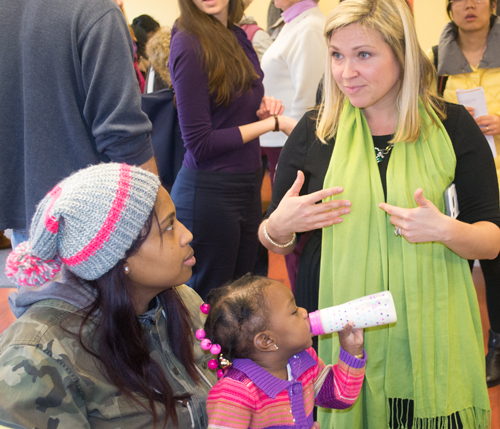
(153, 314)
(267, 382)
(451, 60)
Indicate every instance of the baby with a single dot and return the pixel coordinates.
(276, 377)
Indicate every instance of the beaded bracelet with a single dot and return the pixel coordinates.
(282, 246)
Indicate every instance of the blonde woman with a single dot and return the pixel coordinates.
(380, 153)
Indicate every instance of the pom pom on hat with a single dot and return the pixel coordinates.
(28, 270)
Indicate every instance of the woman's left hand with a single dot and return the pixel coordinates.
(490, 124)
(269, 107)
(422, 224)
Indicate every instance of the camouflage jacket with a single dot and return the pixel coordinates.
(48, 381)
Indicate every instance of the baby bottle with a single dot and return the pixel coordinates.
(372, 310)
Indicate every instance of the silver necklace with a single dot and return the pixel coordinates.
(380, 154)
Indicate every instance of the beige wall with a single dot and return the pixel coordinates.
(430, 18)
(430, 15)
(164, 11)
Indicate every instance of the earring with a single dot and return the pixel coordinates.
(276, 347)
(127, 269)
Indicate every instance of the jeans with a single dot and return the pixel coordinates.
(223, 211)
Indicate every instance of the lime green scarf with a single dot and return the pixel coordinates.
(434, 354)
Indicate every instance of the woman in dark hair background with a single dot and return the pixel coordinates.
(109, 342)
(147, 23)
(140, 58)
(217, 79)
(144, 27)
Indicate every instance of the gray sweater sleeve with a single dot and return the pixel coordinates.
(112, 106)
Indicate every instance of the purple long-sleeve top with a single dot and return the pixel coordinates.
(211, 136)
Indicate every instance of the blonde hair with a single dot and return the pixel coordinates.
(393, 20)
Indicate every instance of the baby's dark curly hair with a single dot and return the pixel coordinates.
(238, 311)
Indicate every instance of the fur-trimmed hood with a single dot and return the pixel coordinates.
(158, 51)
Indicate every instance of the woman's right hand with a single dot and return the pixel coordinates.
(269, 106)
(301, 213)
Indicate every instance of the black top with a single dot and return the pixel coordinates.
(475, 180)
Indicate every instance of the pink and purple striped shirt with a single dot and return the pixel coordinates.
(248, 396)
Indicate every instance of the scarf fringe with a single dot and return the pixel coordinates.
(469, 418)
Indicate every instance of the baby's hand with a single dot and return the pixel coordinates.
(351, 339)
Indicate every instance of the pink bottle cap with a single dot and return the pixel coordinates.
(315, 321)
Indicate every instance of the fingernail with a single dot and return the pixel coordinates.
(348, 204)
(347, 211)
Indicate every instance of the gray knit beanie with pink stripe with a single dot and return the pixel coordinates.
(87, 222)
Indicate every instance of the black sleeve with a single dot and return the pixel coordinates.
(475, 175)
(292, 158)
(302, 151)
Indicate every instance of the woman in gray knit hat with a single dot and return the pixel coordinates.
(105, 329)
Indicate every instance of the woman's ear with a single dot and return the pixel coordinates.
(265, 342)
